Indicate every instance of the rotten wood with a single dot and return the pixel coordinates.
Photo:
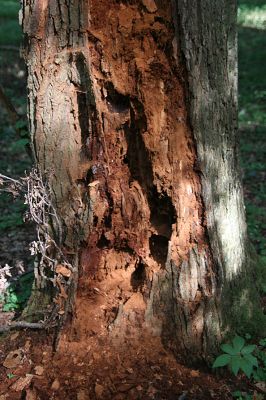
(133, 126)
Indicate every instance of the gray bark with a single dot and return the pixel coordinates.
(133, 117)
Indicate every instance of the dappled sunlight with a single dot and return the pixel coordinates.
(252, 17)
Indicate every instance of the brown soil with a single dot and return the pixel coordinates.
(95, 369)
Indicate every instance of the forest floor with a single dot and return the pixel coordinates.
(34, 371)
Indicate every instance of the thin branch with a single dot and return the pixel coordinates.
(22, 325)
(10, 179)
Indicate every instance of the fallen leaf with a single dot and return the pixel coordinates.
(13, 359)
(22, 382)
(55, 385)
(14, 337)
(39, 370)
(194, 373)
(99, 389)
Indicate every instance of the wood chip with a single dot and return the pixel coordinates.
(22, 382)
(194, 373)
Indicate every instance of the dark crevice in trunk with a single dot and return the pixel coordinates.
(163, 213)
(159, 248)
(116, 101)
(86, 104)
(138, 277)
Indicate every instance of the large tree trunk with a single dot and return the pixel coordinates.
(132, 106)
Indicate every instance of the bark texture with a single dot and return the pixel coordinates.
(133, 117)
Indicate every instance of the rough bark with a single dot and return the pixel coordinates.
(132, 108)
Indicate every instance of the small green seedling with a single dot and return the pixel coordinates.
(237, 357)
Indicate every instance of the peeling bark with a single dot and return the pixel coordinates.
(133, 118)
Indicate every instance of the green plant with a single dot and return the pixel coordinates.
(18, 293)
(259, 374)
(241, 395)
(237, 356)
(245, 396)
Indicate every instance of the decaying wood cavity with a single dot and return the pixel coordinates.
(107, 106)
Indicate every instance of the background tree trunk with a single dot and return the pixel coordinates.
(132, 107)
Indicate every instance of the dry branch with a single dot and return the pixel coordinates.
(22, 325)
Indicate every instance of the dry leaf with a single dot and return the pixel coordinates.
(13, 337)
(55, 385)
(63, 270)
(13, 359)
(39, 370)
(22, 382)
(194, 373)
(99, 389)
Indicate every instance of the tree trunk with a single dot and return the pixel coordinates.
(132, 106)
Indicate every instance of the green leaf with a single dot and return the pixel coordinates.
(221, 361)
(238, 343)
(246, 367)
(237, 394)
(235, 364)
(21, 124)
(248, 349)
(251, 359)
(227, 348)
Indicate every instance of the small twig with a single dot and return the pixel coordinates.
(10, 179)
(22, 325)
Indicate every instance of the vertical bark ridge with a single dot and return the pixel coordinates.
(109, 119)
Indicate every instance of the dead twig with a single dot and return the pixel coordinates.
(23, 325)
